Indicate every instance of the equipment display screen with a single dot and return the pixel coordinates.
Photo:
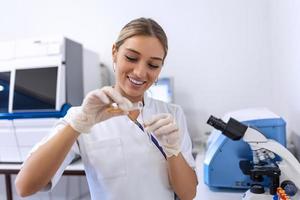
(4, 91)
(35, 89)
(162, 90)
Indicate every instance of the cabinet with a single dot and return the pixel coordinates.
(18, 136)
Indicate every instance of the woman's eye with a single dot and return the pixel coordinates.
(153, 65)
(132, 59)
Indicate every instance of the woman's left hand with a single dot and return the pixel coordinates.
(163, 126)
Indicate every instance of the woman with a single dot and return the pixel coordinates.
(139, 154)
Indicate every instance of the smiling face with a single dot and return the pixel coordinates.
(138, 63)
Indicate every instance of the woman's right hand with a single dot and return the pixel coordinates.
(95, 108)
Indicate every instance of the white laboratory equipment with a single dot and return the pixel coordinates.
(40, 78)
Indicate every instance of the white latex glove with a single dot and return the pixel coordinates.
(163, 126)
(95, 108)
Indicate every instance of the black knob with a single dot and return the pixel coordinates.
(257, 189)
(289, 187)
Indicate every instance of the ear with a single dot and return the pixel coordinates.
(114, 53)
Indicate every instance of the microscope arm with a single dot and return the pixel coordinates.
(289, 165)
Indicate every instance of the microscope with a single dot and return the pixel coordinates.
(283, 175)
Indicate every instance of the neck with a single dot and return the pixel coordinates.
(133, 115)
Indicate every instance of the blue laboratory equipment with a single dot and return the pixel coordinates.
(221, 163)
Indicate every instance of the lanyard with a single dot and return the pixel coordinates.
(152, 139)
(156, 144)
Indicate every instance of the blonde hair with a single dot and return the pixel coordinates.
(145, 27)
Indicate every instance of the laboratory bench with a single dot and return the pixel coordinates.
(8, 169)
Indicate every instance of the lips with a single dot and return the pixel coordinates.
(136, 82)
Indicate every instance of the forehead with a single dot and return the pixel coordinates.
(145, 45)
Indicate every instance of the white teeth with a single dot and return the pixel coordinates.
(135, 81)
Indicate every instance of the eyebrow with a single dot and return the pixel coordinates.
(155, 58)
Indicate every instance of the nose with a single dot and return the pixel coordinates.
(140, 70)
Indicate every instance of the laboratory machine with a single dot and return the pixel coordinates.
(40, 78)
(162, 90)
(273, 171)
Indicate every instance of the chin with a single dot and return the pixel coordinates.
(133, 93)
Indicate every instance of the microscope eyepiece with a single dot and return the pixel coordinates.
(216, 123)
(233, 129)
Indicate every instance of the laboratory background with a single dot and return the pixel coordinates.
(224, 56)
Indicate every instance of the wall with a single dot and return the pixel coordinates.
(285, 31)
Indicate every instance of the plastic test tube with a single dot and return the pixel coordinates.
(114, 108)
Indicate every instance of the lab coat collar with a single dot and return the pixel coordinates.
(147, 100)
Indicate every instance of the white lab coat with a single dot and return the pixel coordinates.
(120, 160)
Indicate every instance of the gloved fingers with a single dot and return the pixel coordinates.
(93, 100)
(171, 140)
(165, 129)
(154, 119)
(101, 96)
(112, 94)
(122, 102)
(157, 121)
(125, 104)
(159, 124)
